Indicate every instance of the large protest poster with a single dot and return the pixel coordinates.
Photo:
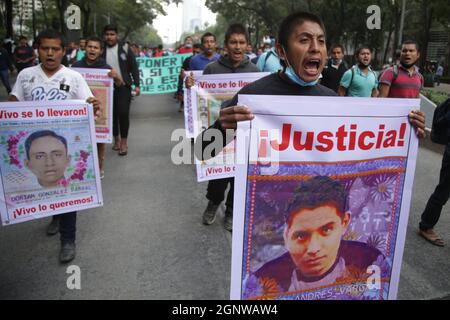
(188, 112)
(160, 75)
(102, 87)
(322, 198)
(208, 94)
(48, 160)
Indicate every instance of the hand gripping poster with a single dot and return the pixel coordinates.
(48, 160)
(208, 94)
(322, 195)
(102, 86)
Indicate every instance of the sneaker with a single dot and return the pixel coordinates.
(67, 252)
(228, 222)
(102, 174)
(209, 216)
(53, 227)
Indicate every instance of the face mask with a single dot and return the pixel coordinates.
(188, 45)
(266, 50)
(290, 73)
(336, 62)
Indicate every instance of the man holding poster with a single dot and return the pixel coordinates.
(236, 40)
(302, 50)
(52, 81)
(93, 60)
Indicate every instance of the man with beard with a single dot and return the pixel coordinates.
(121, 58)
(360, 80)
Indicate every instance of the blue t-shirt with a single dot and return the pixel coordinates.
(361, 85)
(200, 61)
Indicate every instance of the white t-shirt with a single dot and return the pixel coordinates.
(112, 58)
(32, 84)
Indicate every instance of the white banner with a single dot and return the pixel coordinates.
(322, 196)
(48, 160)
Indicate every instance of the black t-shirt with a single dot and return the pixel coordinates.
(332, 76)
(23, 53)
(274, 85)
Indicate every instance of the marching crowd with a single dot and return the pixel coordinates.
(299, 64)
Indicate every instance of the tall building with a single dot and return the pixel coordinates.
(192, 15)
(23, 9)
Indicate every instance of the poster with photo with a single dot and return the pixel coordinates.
(102, 87)
(322, 195)
(48, 160)
(188, 112)
(208, 94)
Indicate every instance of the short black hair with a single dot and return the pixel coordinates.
(358, 51)
(95, 39)
(316, 192)
(197, 46)
(207, 34)
(22, 38)
(51, 34)
(110, 27)
(337, 45)
(41, 134)
(293, 20)
(236, 28)
(412, 42)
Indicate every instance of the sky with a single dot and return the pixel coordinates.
(169, 27)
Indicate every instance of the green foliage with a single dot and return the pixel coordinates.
(146, 36)
(436, 97)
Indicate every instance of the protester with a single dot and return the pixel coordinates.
(360, 80)
(93, 59)
(249, 52)
(35, 84)
(335, 68)
(403, 80)
(121, 58)
(302, 50)
(81, 52)
(197, 50)
(6, 66)
(187, 47)
(236, 40)
(269, 62)
(439, 74)
(23, 54)
(208, 44)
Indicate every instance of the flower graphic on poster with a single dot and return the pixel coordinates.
(383, 188)
(80, 171)
(14, 151)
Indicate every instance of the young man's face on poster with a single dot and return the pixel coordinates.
(313, 238)
(48, 160)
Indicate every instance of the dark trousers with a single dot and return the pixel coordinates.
(67, 226)
(121, 111)
(216, 191)
(4, 76)
(440, 196)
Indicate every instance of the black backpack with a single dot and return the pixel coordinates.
(441, 122)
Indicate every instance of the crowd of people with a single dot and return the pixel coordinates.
(298, 61)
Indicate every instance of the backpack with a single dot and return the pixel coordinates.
(440, 125)
(353, 75)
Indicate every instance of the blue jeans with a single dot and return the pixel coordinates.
(4, 76)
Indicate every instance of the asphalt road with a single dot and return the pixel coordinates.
(148, 242)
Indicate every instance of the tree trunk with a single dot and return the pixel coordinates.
(87, 14)
(62, 6)
(44, 12)
(388, 44)
(9, 19)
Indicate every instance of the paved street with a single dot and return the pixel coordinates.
(148, 242)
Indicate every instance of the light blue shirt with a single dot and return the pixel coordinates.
(362, 84)
(269, 64)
